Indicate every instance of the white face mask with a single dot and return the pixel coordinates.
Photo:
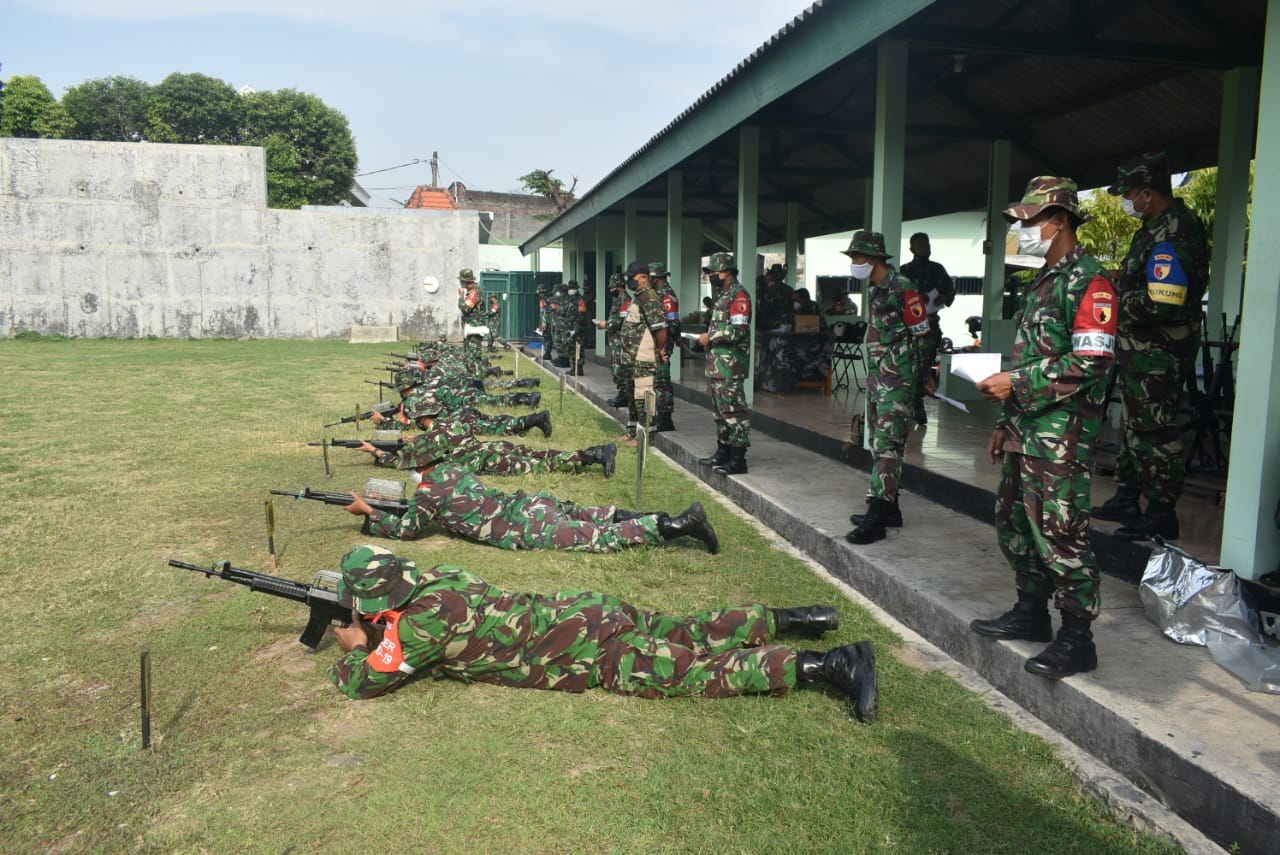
(1031, 243)
(416, 476)
(1129, 208)
(861, 271)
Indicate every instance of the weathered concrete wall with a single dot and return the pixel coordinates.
(129, 239)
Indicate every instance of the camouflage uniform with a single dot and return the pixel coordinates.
(613, 333)
(895, 344)
(448, 622)
(662, 385)
(448, 440)
(1062, 353)
(471, 304)
(469, 422)
(494, 321)
(552, 333)
(934, 284)
(729, 357)
(639, 344)
(568, 326)
(462, 505)
(1160, 286)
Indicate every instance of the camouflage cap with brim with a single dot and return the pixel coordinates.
(375, 580)
(719, 262)
(424, 450)
(466, 274)
(1047, 191)
(423, 405)
(657, 268)
(868, 243)
(617, 280)
(637, 268)
(407, 379)
(1149, 169)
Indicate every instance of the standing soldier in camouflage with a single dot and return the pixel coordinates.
(448, 622)
(494, 321)
(553, 322)
(1051, 413)
(462, 505)
(895, 341)
(662, 385)
(542, 317)
(934, 284)
(616, 310)
(583, 338)
(1160, 285)
(728, 345)
(644, 342)
(471, 304)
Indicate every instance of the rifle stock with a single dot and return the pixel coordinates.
(390, 506)
(379, 444)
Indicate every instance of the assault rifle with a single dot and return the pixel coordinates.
(388, 410)
(1213, 414)
(390, 506)
(379, 444)
(321, 596)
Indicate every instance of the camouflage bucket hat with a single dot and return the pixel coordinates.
(719, 262)
(1145, 170)
(657, 268)
(423, 406)
(617, 280)
(867, 242)
(375, 580)
(1046, 191)
(407, 379)
(466, 275)
(423, 450)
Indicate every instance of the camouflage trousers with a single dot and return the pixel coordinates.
(507, 458)
(455, 398)
(493, 332)
(715, 654)
(489, 425)
(583, 535)
(891, 413)
(1151, 455)
(726, 375)
(664, 389)
(1042, 526)
(641, 377)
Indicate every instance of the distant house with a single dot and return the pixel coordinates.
(507, 219)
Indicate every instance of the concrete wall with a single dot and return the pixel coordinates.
(129, 239)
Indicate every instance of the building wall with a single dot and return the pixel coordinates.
(128, 239)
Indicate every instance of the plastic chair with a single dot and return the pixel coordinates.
(846, 355)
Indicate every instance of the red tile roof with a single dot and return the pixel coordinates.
(436, 198)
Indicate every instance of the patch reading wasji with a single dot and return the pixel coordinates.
(1094, 330)
(914, 314)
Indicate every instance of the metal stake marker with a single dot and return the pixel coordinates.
(564, 381)
(324, 449)
(146, 699)
(577, 360)
(271, 532)
(642, 440)
(517, 363)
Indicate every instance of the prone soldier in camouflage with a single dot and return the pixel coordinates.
(643, 340)
(472, 305)
(1160, 285)
(728, 345)
(662, 385)
(934, 284)
(448, 622)
(455, 499)
(617, 307)
(455, 443)
(1053, 401)
(896, 342)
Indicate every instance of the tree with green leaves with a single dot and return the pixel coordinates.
(194, 108)
(112, 109)
(26, 101)
(541, 183)
(311, 154)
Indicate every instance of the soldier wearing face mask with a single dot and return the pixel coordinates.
(1160, 285)
(1050, 415)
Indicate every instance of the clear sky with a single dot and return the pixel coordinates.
(497, 87)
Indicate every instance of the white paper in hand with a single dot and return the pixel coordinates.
(975, 367)
(952, 401)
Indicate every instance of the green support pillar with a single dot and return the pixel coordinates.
(997, 334)
(675, 250)
(793, 244)
(745, 244)
(630, 230)
(1250, 540)
(1231, 217)
(888, 171)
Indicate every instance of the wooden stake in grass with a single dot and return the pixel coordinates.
(271, 531)
(146, 699)
(328, 473)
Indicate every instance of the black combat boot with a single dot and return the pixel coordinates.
(922, 417)
(1122, 507)
(736, 464)
(582, 369)
(719, 458)
(617, 401)
(526, 383)
(563, 362)
(805, 621)
(1028, 620)
(850, 669)
(605, 455)
(1072, 652)
(872, 526)
(890, 515)
(691, 522)
(541, 421)
(493, 371)
(528, 399)
(1160, 519)
(663, 423)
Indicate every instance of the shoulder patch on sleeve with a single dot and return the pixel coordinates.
(740, 310)
(1166, 277)
(914, 314)
(1094, 331)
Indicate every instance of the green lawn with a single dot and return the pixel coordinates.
(115, 456)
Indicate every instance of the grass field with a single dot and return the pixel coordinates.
(115, 456)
